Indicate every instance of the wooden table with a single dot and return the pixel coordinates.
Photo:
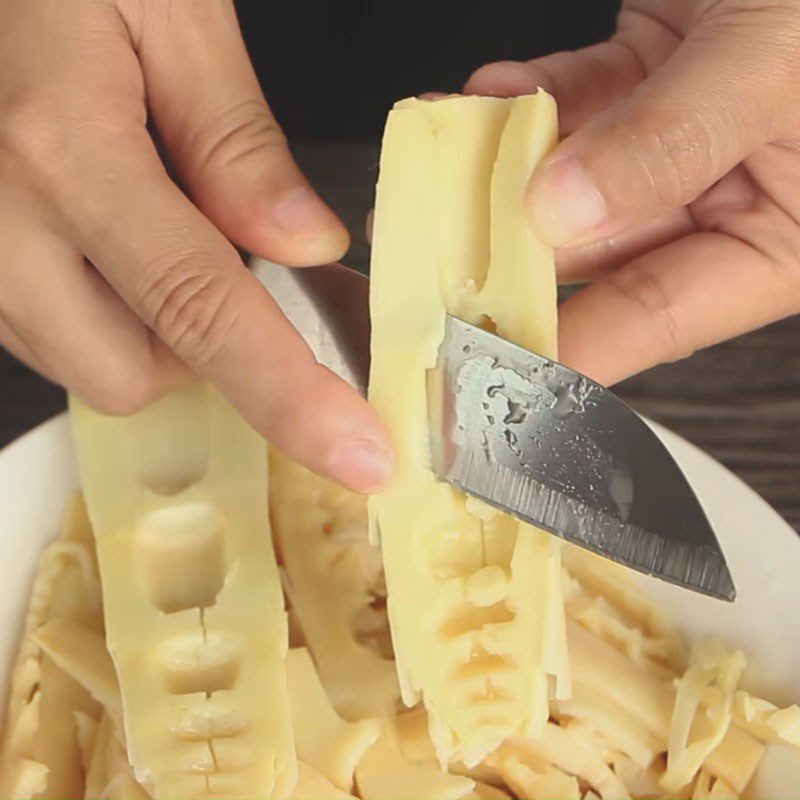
(739, 401)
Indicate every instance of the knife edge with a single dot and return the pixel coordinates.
(697, 567)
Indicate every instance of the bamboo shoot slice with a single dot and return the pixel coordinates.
(331, 570)
(41, 754)
(193, 604)
(485, 791)
(711, 666)
(450, 234)
(570, 754)
(766, 721)
(383, 774)
(323, 739)
(528, 783)
(82, 654)
(313, 785)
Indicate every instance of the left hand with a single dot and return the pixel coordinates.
(676, 189)
(120, 285)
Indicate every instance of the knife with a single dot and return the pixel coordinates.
(527, 435)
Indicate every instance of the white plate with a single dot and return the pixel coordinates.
(38, 472)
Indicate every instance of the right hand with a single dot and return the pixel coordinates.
(112, 281)
(674, 194)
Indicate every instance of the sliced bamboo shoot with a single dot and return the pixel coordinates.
(82, 654)
(451, 234)
(766, 721)
(323, 739)
(384, 774)
(41, 752)
(712, 666)
(528, 783)
(313, 785)
(570, 754)
(332, 574)
(485, 791)
(601, 671)
(193, 605)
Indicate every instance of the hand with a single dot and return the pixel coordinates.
(112, 281)
(676, 189)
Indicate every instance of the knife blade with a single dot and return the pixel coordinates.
(543, 443)
(527, 435)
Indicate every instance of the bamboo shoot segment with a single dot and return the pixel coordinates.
(86, 727)
(194, 611)
(710, 788)
(384, 774)
(712, 666)
(639, 782)
(735, 758)
(323, 739)
(475, 599)
(620, 587)
(485, 791)
(97, 772)
(631, 698)
(41, 752)
(766, 721)
(413, 738)
(123, 787)
(569, 754)
(119, 781)
(334, 580)
(530, 783)
(313, 785)
(620, 729)
(411, 729)
(82, 654)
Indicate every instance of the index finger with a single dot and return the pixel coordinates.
(665, 305)
(186, 281)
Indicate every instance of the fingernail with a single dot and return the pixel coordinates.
(502, 79)
(361, 465)
(565, 204)
(301, 213)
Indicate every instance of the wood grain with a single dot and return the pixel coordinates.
(738, 401)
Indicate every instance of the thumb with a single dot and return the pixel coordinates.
(696, 117)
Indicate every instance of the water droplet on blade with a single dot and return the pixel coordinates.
(517, 412)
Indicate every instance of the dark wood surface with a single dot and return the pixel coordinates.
(739, 401)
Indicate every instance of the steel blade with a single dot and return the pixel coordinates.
(545, 444)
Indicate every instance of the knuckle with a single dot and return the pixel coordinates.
(27, 140)
(766, 36)
(610, 74)
(123, 390)
(189, 306)
(782, 274)
(278, 421)
(742, 15)
(237, 134)
(47, 142)
(674, 147)
(22, 113)
(643, 289)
